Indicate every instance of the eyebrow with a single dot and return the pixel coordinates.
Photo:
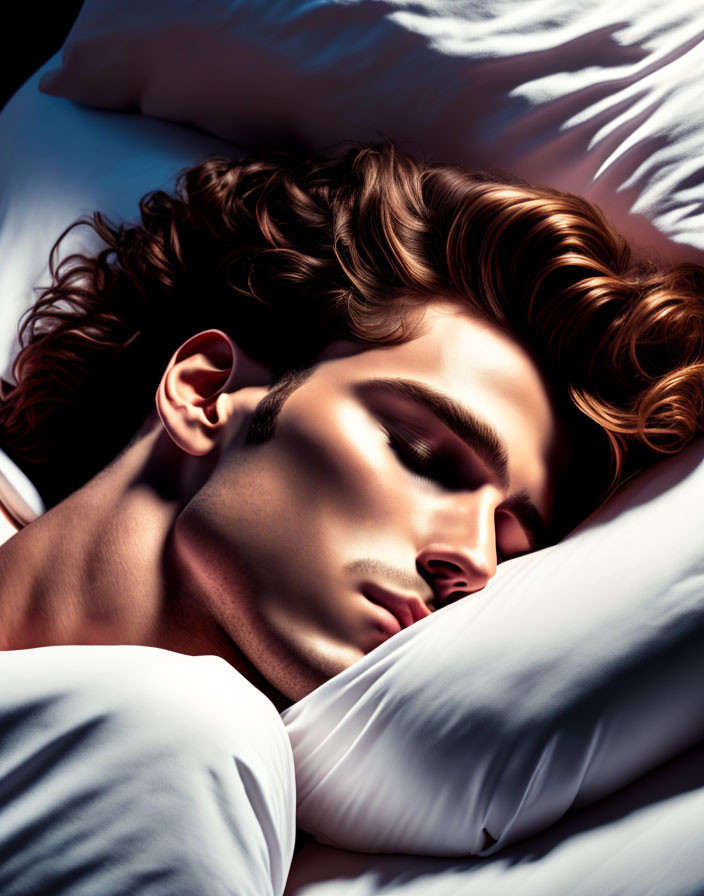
(478, 435)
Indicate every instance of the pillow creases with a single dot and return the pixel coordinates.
(603, 100)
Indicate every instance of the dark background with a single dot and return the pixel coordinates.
(37, 32)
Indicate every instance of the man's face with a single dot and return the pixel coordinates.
(395, 481)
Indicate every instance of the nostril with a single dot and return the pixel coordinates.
(443, 564)
(446, 573)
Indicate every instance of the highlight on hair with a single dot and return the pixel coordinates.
(287, 252)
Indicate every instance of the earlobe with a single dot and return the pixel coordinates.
(196, 397)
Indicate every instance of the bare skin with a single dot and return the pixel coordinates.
(284, 557)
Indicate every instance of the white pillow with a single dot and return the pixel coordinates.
(59, 162)
(576, 670)
(600, 98)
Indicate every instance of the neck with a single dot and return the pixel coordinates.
(99, 568)
(84, 572)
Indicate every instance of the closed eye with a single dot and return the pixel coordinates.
(478, 435)
(418, 456)
(441, 468)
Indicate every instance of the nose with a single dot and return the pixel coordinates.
(459, 556)
(452, 572)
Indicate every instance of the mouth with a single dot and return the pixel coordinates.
(396, 612)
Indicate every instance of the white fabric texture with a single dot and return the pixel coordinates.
(644, 841)
(17, 493)
(135, 770)
(575, 670)
(60, 162)
(596, 97)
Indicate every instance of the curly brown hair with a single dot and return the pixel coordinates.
(287, 252)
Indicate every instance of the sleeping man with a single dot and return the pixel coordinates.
(298, 407)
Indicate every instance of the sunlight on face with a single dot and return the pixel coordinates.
(395, 481)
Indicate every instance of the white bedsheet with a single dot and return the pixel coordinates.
(647, 840)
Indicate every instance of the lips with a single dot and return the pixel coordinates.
(405, 610)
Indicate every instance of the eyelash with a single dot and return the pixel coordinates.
(419, 457)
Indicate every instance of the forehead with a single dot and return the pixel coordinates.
(475, 363)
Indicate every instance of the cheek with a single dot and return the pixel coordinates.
(341, 467)
(273, 531)
(270, 541)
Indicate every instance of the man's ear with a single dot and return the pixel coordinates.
(201, 395)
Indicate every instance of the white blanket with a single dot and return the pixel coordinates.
(136, 770)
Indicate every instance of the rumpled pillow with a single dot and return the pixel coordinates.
(576, 670)
(60, 162)
(603, 99)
